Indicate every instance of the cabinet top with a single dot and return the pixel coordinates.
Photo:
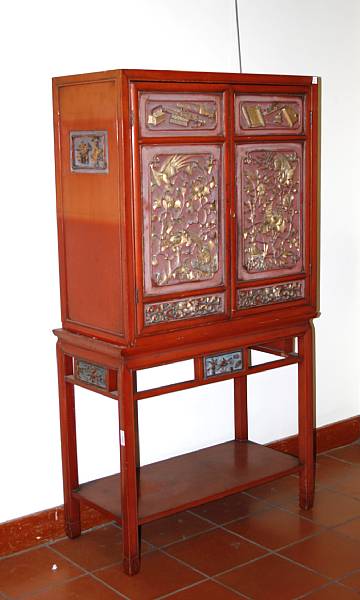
(198, 76)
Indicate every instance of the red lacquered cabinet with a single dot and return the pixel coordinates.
(187, 219)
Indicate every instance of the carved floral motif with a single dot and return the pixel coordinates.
(186, 308)
(184, 228)
(271, 294)
(221, 364)
(270, 210)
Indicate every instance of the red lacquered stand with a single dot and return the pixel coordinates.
(139, 495)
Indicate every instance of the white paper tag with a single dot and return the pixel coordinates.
(122, 437)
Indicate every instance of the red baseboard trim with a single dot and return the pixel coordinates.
(48, 525)
(327, 437)
(39, 528)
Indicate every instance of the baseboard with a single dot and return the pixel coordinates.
(48, 525)
(326, 437)
(41, 527)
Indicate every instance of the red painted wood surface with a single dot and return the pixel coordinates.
(191, 479)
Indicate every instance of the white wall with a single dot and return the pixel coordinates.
(321, 37)
(43, 39)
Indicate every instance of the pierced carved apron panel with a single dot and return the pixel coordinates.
(256, 115)
(182, 215)
(180, 114)
(270, 210)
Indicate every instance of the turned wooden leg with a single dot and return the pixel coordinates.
(129, 459)
(68, 444)
(306, 418)
(240, 408)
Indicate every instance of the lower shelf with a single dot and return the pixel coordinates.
(179, 483)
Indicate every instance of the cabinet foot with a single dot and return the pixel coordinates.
(73, 530)
(131, 566)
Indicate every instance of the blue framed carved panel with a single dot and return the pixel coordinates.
(222, 364)
(89, 152)
(91, 374)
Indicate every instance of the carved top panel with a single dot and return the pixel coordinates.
(259, 115)
(182, 215)
(270, 208)
(180, 114)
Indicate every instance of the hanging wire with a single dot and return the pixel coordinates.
(238, 34)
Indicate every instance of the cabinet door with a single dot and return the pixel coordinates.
(181, 149)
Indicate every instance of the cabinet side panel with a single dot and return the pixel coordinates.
(89, 206)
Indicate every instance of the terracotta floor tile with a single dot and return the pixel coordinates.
(215, 551)
(31, 571)
(349, 485)
(333, 592)
(173, 529)
(272, 578)
(278, 491)
(159, 575)
(84, 588)
(230, 508)
(96, 548)
(351, 528)
(208, 590)
(329, 470)
(274, 528)
(329, 553)
(352, 581)
(330, 508)
(349, 453)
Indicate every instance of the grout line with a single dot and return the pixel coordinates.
(75, 564)
(182, 589)
(20, 552)
(92, 573)
(49, 587)
(227, 587)
(189, 587)
(326, 585)
(107, 585)
(49, 543)
(184, 563)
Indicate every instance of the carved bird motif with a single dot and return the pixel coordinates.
(285, 168)
(169, 168)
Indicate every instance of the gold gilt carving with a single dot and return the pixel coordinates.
(274, 114)
(271, 294)
(184, 114)
(270, 208)
(184, 225)
(187, 308)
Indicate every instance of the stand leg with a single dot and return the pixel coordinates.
(68, 444)
(240, 408)
(128, 457)
(306, 419)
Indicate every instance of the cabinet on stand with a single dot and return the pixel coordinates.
(187, 220)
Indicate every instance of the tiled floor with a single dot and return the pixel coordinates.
(255, 545)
